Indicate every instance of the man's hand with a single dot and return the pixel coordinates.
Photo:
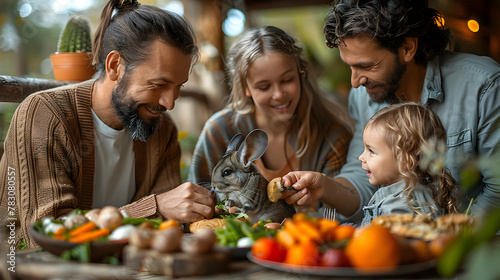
(309, 186)
(187, 203)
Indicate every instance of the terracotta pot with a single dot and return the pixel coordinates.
(72, 66)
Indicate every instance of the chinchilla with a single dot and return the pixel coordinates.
(236, 179)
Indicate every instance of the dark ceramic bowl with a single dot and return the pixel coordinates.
(98, 249)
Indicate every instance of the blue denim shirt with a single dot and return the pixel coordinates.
(464, 91)
(392, 200)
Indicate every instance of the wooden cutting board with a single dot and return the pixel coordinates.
(178, 264)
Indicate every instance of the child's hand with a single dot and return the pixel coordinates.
(308, 185)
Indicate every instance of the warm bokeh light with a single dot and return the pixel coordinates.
(439, 21)
(473, 25)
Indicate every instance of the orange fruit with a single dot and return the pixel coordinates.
(421, 251)
(344, 232)
(373, 248)
(303, 254)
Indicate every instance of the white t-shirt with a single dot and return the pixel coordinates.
(114, 176)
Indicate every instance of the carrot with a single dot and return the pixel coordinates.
(88, 226)
(89, 236)
(59, 231)
(300, 216)
(309, 229)
(59, 237)
(291, 227)
(168, 224)
(285, 238)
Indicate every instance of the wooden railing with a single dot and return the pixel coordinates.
(16, 89)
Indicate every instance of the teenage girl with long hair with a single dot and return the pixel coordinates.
(272, 89)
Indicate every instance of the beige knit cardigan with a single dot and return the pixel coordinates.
(47, 168)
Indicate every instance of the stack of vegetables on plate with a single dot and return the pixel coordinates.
(390, 241)
(106, 224)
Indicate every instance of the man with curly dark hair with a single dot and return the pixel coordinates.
(397, 51)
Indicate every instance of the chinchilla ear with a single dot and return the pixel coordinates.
(234, 143)
(253, 147)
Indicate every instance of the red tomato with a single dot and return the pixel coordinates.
(267, 248)
(334, 257)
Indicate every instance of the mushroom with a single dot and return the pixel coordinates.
(200, 242)
(167, 241)
(92, 214)
(74, 221)
(141, 238)
(275, 226)
(109, 218)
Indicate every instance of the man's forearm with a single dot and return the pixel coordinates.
(340, 194)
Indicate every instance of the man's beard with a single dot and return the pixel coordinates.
(390, 86)
(127, 111)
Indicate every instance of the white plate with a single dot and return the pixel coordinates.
(342, 271)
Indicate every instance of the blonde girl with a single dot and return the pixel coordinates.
(404, 155)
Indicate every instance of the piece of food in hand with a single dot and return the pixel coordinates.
(207, 223)
(274, 189)
(167, 241)
(200, 242)
(109, 218)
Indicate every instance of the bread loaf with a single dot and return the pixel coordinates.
(274, 189)
(207, 223)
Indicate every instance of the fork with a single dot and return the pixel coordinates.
(329, 213)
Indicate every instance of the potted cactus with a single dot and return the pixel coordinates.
(73, 59)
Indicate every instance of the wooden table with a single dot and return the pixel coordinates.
(36, 264)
